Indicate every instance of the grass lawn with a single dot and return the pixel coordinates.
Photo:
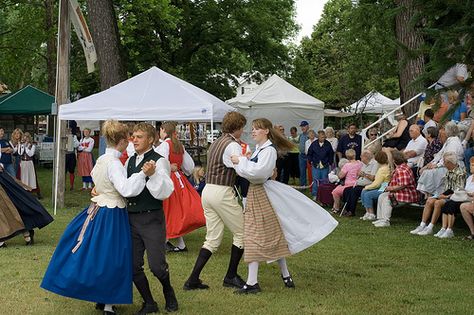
(358, 269)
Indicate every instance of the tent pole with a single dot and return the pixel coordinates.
(212, 123)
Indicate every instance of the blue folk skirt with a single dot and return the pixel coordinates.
(100, 270)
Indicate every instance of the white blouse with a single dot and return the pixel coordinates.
(260, 171)
(159, 184)
(188, 163)
(86, 144)
(452, 144)
(27, 148)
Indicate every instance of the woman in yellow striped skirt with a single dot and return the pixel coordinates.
(269, 233)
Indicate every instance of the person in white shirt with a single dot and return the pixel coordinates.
(454, 75)
(26, 151)
(183, 209)
(85, 160)
(265, 238)
(415, 149)
(429, 121)
(96, 247)
(433, 174)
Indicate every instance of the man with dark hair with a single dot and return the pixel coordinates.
(429, 122)
(221, 208)
(350, 141)
(147, 220)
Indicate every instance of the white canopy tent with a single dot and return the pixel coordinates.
(336, 113)
(149, 96)
(281, 103)
(373, 103)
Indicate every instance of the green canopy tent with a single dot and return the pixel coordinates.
(27, 101)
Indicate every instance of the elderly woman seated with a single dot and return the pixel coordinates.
(366, 177)
(372, 191)
(349, 173)
(433, 174)
(402, 188)
(455, 179)
(464, 198)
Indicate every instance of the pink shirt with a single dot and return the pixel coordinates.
(350, 170)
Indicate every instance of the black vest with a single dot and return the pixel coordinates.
(144, 201)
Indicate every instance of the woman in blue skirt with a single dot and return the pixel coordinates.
(93, 260)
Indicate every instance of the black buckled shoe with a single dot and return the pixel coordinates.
(249, 289)
(188, 285)
(235, 282)
(171, 301)
(288, 281)
(114, 312)
(99, 306)
(148, 309)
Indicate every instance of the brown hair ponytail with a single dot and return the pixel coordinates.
(170, 129)
(279, 141)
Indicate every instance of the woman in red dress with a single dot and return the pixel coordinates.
(183, 209)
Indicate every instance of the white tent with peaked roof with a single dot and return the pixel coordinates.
(281, 103)
(373, 103)
(151, 95)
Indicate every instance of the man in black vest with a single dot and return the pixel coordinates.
(147, 220)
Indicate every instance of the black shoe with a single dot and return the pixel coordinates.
(249, 289)
(235, 282)
(32, 240)
(188, 285)
(99, 306)
(148, 309)
(171, 301)
(288, 281)
(170, 248)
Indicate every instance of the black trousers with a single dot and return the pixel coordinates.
(350, 196)
(291, 167)
(148, 233)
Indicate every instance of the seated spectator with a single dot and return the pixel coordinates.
(374, 146)
(372, 191)
(467, 208)
(454, 75)
(402, 188)
(399, 138)
(432, 175)
(320, 156)
(446, 104)
(331, 138)
(455, 206)
(429, 122)
(468, 143)
(366, 176)
(460, 113)
(415, 149)
(350, 141)
(349, 173)
(433, 147)
(426, 104)
(198, 179)
(455, 180)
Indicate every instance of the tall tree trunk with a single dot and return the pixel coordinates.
(50, 26)
(105, 34)
(410, 59)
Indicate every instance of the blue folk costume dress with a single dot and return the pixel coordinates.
(93, 260)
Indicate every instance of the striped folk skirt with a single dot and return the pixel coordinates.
(263, 236)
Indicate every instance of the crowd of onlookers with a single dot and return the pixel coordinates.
(426, 163)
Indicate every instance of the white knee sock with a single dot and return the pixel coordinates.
(181, 243)
(283, 267)
(252, 278)
(108, 308)
(84, 185)
(90, 185)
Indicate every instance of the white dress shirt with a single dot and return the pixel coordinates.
(260, 171)
(188, 163)
(419, 146)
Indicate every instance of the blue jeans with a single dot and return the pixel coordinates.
(10, 169)
(302, 159)
(369, 196)
(318, 173)
(468, 153)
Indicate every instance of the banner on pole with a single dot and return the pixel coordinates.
(82, 31)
